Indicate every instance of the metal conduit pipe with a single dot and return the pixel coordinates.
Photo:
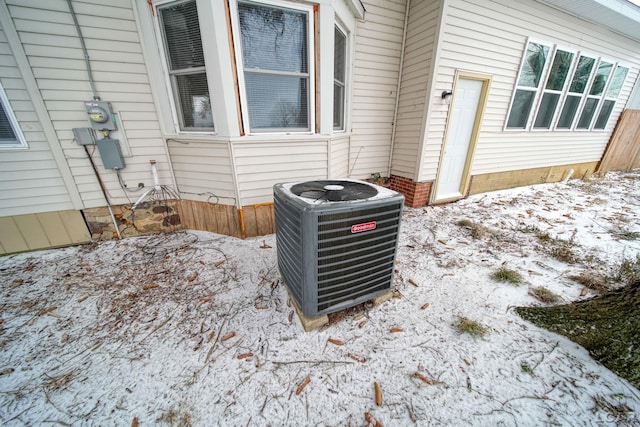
(395, 110)
(97, 98)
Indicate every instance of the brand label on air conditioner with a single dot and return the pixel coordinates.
(357, 228)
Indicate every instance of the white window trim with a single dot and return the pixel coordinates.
(537, 91)
(604, 97)
(21, 142)
(171, 91)
(347, 77)
(583, 96)
(562, 92)
(586, 96)
(237, 41)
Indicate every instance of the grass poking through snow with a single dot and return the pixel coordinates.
(465, 325)
(544, 295)
(504, 274)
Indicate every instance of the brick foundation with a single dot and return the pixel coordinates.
(416, 194)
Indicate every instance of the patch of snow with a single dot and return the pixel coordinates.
(195, 328)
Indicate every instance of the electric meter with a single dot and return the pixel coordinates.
(100, 115)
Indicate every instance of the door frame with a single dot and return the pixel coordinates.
(482, 103)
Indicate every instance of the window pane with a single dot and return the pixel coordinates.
(338, 107)
(339, 55)
(195, 104)
(520, 109)
(568, 112)
(182, 35)
(273, 39)
(600, 80)
(546, 110)
(581, 76)
(277, 101)
(339, 67)
(6, 131)
(616, 82)
(587, 113)
(559, 70)
(605, 112)
(535, 58)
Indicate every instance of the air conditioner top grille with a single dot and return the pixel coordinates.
(334, 190)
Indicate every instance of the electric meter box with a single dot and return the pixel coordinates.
(110, 153)
(100, 115)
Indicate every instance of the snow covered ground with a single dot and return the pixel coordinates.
(194, 328)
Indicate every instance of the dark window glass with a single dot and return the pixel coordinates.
(520, 109)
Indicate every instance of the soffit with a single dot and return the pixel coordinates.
(619, 16)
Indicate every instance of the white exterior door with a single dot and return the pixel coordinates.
(451, 174)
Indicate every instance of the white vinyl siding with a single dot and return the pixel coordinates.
(489, 37)
(53, 49)
(416, 71)
(261, 165)
(339, 158)
(31, 181)
(203, 170)
(378, 45)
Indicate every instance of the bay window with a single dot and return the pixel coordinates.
(251, 66)
(180, 31)
(339, 77)
(274, 55)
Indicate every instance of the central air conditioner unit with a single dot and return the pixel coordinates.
(336, 242)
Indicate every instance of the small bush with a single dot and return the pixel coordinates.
(504, 274)
(466, 326)
(543, 294)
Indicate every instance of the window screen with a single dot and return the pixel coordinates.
(276, 66)
(185, 61)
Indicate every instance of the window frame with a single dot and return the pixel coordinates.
(561, 93)
(580, 99)
(338, 27)
(20, 141)
(605, 98)
(171, 76)
(311, 60)
(598, 98)
(536, 91)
